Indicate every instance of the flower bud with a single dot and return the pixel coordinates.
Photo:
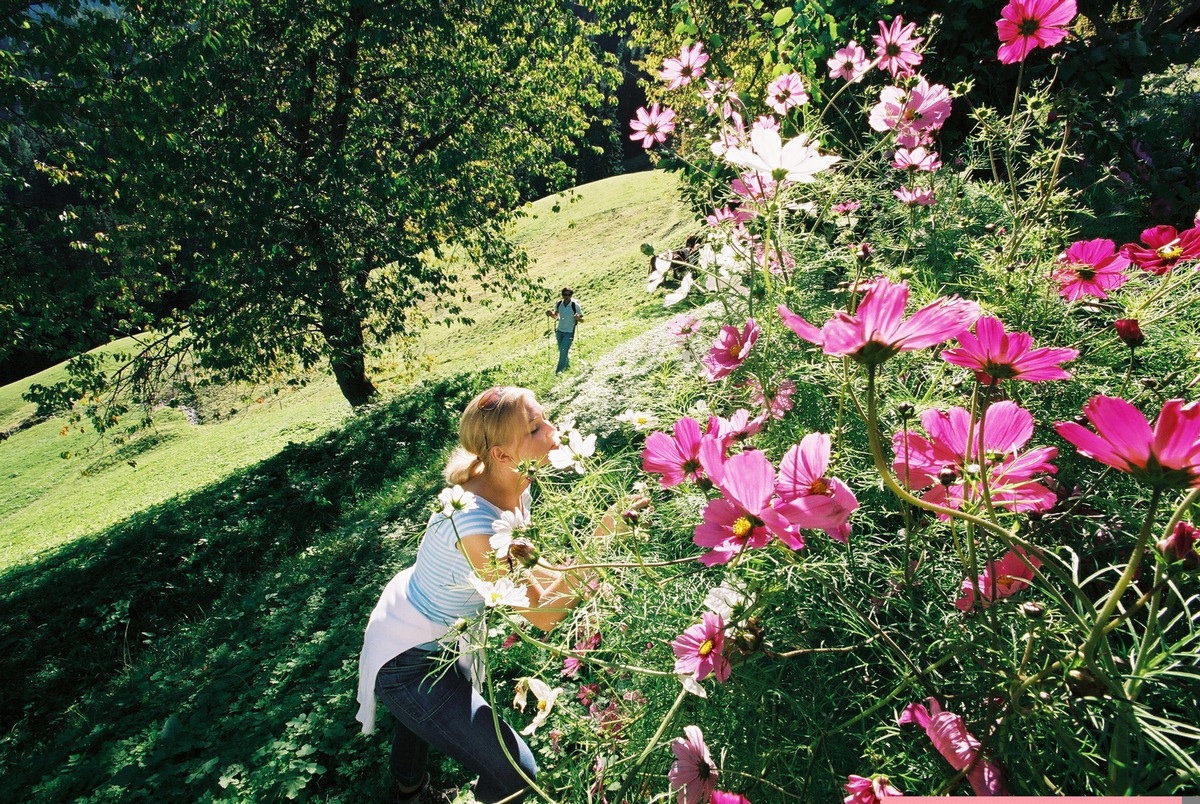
(1033, 611)
(906, 410)
(1181, 546)
(524, 552)
(631, 517)
(863, 251)
(947, 476)
(1129, 332)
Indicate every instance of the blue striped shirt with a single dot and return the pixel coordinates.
(440, 587)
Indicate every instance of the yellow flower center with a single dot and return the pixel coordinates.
(1170, 251)
(742, 528)
(706, 647)
(542, 706)
(819, 486)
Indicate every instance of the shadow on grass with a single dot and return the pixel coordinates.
(207, 647)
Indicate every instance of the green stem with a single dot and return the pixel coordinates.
(650, 746)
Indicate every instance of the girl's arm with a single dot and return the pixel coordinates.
(552, 594)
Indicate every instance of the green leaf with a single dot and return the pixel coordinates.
(782, 17)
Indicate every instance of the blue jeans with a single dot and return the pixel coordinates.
(564, 346)
(437, 706)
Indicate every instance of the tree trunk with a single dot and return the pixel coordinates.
(351, 373)
(342, 326)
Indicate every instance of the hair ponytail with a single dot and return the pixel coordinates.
(462, 466)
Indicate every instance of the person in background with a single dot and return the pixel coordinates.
(433, 699)
(567, 313)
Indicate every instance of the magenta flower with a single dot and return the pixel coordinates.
(861, 790)
(951, 468)
(879, 330)
(960, 748)
(785, 92)
(678, 458)
(917, 197)
(1090, 268)
(995, 355)
(923, 108)
(737, 427)
(693, 772)
(1165, 248)
(700, 650)
(1028, 24)
(774, 403)
(845, 208)
(722, 797)
(748, 513)
(1000, 579)
(916, 159)
(652, 126)
(896, 47)
(725, 214)
(802, 479)
(1181, 546)
(1167, 456)
(729, 350)
(849, 63)
(688, 67)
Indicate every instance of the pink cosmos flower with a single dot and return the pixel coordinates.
(677, 458)
(1181, 546)
(861, 790)
(995, 355)
(737, 427)
(802, 477)
(693, 772)
(960, 748)
(730, 349)
(917, 197)
(765, 122)
(727, 215)
(951, 467)
(1000, 579)
(571, 664)
(1165, 248)
(879, 330)
(1090, 268)
(774, 403)
(690, 65)
(845, 208)
(684, 326)
(896, 47)
(849, 63)
(748, 513)
(756, 188)
(722, 797)
(1166, 456)
(652, 126)
(924, 107)
(1028, 24)
(785, 92)
(916, 159)
(720, 97)
(700, 650)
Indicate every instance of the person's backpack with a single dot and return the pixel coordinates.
(574, 305)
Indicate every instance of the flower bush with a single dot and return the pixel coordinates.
(915, 510)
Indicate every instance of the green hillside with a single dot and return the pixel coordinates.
(592, 242)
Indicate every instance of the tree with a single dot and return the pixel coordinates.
(304, 171)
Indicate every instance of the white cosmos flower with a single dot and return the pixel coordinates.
(798, 160)
(545, 702)
(456, 499)
(640, 419)
(723, 600)
(501, 593)
(573, 452)
(505, 529)
(690, 684)
(660, 266)
(677, 295)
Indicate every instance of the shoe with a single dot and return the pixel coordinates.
(412, 796)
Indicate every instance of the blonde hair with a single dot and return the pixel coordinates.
(493, 418)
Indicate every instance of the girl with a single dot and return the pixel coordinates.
(434, 706)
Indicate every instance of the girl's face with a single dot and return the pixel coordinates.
(538, 437)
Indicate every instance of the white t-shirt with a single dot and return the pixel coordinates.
(566, 314)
